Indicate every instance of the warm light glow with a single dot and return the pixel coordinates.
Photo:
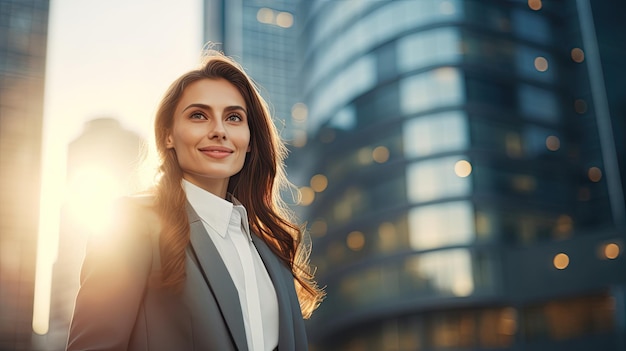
(364, 156)
(47, 240)
(380, 154)
(483, 225)
(463, 286)
(299, 138)
(445, 74)
(319, 182)
(563, 227)
(508, 321)
(611, 251)
(524, 183)
(355, 241)
(91, 195)
(463, 168)
(513, 144)
(535, 4)
(541, 64)
(561, 261)
(594, 174)
(578, 55)
(299, 112)
(553, 143)
(564, 222)
(580, 106)
(307, 196)
(265, 15)
(269, 16)
(284, 19)
(319, 228)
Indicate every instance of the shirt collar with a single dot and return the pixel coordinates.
(213, 210)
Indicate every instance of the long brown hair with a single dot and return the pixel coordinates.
(257, 185)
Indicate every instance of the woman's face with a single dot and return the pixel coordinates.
(210, 134)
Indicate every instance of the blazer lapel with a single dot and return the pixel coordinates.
(218, 278)
(288, 304)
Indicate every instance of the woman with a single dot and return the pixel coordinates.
(211, 260)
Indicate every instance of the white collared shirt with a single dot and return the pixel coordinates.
(227, 225)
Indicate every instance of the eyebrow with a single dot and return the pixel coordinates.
(207, 107)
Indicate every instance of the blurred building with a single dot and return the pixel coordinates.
(102, 165)
(23, 41)
(465, 173)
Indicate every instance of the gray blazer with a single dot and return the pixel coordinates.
(119, 307)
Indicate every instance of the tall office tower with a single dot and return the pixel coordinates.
(102, 165)
(261, 35)
(465, 192)
(23, 39)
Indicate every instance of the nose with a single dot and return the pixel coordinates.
(217, 130)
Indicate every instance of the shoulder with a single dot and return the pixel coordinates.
(136, 212)
(128, 218)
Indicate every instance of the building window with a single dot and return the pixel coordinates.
(437, 46)
(432, 134)
(570, 318)
(441, 87)
(435, 179)
(446, 272)
(353, 81)
(531, 26)
(441, 225)
(538, 104)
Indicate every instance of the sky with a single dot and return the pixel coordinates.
(112, 58)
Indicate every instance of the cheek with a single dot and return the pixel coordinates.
(186, 137)
(243, 141)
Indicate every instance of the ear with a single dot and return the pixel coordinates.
(249, 148)
(169, 141)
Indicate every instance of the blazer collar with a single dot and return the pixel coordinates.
(285, 293)
(218, 279)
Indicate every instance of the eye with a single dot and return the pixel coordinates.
(197, 115)
(234, 118)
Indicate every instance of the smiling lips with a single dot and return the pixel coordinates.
(216, 151)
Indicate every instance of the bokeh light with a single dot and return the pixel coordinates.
(541, 64)
(594, 174)
(307, 195)
(355, 240)
(535, 4)
(561, 261)
(553, 143)
(578, 55)
(319, 182)
(380, 154)
(462, 168)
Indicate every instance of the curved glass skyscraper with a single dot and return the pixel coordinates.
(461, 196)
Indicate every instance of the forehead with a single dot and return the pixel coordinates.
(217, 93)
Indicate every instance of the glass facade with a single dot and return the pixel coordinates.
(23, 39)
(457, 146)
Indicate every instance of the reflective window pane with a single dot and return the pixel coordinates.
(441, 225)
(435, 179)
(441, 132)
(438, 88)
(436, 46)
(537, 103)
